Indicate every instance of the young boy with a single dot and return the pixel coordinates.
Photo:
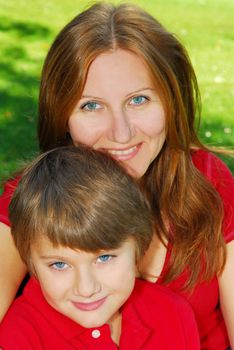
(80, 224)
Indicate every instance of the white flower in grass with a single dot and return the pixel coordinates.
(219, 79)
(227, 130)
(208, 134)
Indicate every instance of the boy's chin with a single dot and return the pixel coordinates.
(91, 323)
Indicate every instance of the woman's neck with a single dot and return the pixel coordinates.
(151, 264)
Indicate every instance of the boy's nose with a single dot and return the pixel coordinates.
(86, 284)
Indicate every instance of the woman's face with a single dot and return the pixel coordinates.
(120, 112)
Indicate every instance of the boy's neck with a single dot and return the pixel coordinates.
(115, 327)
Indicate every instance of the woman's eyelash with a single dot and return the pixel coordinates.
(90, 105)
(139, 100)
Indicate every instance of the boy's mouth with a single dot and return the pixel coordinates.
(89, 306)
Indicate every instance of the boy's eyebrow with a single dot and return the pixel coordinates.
(59, 257)
(64, 257)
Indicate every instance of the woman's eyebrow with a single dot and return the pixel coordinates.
(130, 93)
(91, 97)
(140, 90)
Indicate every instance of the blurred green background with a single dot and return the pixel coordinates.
(27, 28)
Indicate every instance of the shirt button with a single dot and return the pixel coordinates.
(96, 333)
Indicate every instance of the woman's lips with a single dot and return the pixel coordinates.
(89, 306)
(124, 154)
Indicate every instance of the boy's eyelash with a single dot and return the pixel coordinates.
(110, 257)
(53, 265)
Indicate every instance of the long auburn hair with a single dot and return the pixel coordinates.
(178, 192)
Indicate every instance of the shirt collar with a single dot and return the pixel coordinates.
(67, 327)
(133, 328)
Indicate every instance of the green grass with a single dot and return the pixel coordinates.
(27, 29)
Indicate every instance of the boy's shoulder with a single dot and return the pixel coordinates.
(158, 300)
(18, 327)
(155, 291)
(157, 317)
(31, 323)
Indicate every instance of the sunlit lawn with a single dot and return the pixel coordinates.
(28, 27)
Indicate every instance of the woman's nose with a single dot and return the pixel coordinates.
(122, 130)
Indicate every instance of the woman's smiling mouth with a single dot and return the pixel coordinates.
(124, 154)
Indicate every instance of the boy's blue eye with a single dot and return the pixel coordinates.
(59, 265)
(91, 106)
(138, 100)
(104, 258)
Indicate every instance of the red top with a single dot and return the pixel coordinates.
(152, 318)
(205, 298)
(5, 200)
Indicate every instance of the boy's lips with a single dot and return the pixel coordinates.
(89, 306)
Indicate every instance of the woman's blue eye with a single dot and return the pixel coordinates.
(91, 106)
(59, 265)
(138, 100)
(104, 258)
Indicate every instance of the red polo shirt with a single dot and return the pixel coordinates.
(152, 318)
(204, 299)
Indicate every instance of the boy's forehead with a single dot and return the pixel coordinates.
(43, 246)
(45, 249)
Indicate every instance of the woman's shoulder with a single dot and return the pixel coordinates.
(211, 166)
(5, 198)
(216, 171)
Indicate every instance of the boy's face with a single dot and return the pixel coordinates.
(89, 288)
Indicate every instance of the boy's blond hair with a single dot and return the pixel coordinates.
(81, 199)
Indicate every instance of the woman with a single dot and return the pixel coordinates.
(116, 80)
